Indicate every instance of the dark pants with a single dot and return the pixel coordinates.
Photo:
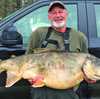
(84, 90)
(89, 91)
(49, 93)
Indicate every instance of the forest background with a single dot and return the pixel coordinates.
(9, 6)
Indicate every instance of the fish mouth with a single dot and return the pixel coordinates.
(90, 80)
(96, 77)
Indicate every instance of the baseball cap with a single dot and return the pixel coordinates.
(56, 4)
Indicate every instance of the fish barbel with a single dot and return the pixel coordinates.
(55, 69)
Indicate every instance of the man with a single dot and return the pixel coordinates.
(57, 37)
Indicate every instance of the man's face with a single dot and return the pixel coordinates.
(58, 17)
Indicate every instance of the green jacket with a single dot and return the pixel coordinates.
(77, 40)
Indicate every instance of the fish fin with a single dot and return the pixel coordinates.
(37, 81)
(38, 85)
(12, 78)
(44, 50)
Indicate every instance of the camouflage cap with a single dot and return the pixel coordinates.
(56, 4)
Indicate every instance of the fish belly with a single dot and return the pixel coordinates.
(61, 80)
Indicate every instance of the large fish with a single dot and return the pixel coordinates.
(55, 69)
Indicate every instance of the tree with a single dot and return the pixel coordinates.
(9, 6)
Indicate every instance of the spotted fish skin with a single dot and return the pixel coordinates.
(52, 68)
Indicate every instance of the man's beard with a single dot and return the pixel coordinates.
(58, 25)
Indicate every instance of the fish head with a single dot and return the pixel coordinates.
(91, 68)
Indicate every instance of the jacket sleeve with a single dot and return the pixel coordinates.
(33, 42)
(83, 43)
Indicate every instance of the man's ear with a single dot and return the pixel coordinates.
(49, 16)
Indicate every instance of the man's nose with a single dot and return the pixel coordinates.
(58, 14)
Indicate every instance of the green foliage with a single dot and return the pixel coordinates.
(9, 6)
